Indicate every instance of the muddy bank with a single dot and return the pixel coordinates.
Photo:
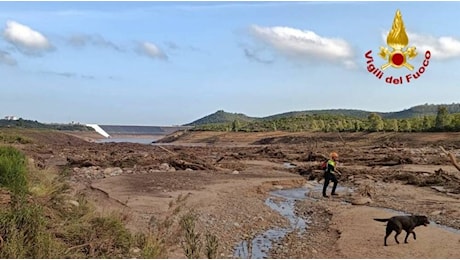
(229, 177)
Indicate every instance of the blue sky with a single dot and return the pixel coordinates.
(169, 63)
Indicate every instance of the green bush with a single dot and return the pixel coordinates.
(24, 232)
(10, 138)
(98, 237)
(13, 171)
(151, 245)
(191, 243)
(44, 220)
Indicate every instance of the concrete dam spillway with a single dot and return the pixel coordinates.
(109, 131)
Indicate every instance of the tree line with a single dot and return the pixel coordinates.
(24, 123)
(441, 122)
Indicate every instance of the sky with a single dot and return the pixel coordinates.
(170, 63)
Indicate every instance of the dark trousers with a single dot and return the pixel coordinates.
(327, 178)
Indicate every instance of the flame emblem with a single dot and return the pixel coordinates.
(397, 39)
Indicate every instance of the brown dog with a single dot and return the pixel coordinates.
(399, 223)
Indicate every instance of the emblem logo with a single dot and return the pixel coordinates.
(397, 55)
(397, 39)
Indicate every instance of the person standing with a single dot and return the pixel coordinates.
(330, 174)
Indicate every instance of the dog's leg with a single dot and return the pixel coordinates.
(387, 235)
(385, 240)
(396, 236)
(407, 235)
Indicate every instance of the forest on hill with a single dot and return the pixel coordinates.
(425, 118)
(24, 123)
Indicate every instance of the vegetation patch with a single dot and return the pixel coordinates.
(43, 219)
(430, 119)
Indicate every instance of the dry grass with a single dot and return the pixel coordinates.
(45, 220)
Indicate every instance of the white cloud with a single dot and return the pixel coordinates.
(307, 45)
(67, 74)
(27, 40)
(5, 58)
(151, 50)
(442, 48)
(82, 40)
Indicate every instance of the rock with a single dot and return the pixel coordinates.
(361, 201)
(289, 165)
(369, 177)
(235, 172)
(308, 185)
(278, 187)
(73, 202)
(436, 213)
(171, 169)
(453, 195)
(439, 188)
(189, 170)
(113, 171)
(164, 167)
(135, 250)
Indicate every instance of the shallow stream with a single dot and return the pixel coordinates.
(283, 201)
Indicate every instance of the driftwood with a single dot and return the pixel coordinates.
(343, 141)
(182, 165)
(107, 195)
(77, 247)
(452, 158)
(164, 149)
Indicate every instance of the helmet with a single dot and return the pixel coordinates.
(334, 155)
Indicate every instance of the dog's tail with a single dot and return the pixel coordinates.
(381, 219)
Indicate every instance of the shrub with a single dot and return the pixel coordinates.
(13, 171)
(191, 243)
(25, 235)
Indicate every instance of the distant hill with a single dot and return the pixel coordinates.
(338, 112)
(221, 117)
(420, 111)
(416, 111)
(24, 123)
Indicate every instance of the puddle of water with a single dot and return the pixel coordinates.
(450, 229)
(284, 203)
(260, 246)
(298, 193)
(287, 210)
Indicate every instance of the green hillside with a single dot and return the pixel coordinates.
(416, 111)
(420, 111)
(416, 119)
(24, 123)
(338, 112)
(221, 117)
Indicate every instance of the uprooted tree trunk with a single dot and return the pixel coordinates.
(452, 158)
